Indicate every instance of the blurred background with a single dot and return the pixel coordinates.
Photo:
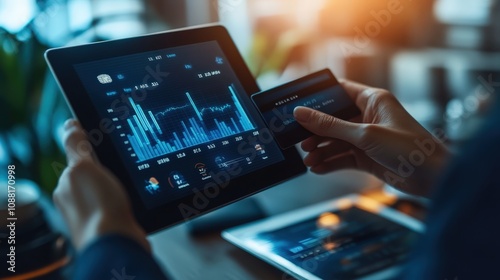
(440, 57)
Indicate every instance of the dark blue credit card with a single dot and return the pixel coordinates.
(320, 91)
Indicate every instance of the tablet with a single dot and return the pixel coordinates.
(352, 237)
(170, 115)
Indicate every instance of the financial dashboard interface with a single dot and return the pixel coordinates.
(179, 118)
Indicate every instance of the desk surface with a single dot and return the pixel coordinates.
(211, 257)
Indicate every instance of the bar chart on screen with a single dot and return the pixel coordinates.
(195, 124)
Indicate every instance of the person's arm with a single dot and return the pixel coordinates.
(116, 256)
(385, 141)
(99, 216)
(91, 199)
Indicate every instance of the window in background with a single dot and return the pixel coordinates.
(80, 14)
(464, 12)
(429, 53)
(284, 34)
(14, 15)
(234, 15)
(32, 108)
(448, 86)
(118, 18)
(470, 24)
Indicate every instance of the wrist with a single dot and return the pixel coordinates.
(427, 175)
(123, 224)
(102, 224)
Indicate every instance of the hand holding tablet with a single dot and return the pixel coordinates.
(170, 115)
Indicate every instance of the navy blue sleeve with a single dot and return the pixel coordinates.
(463, 230)
(116, 257)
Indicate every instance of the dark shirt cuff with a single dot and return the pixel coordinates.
(116, 257)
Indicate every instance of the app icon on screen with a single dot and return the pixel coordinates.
(104, 79)
(153, 186)
(177, 181)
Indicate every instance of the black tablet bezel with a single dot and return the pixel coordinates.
(62, 61)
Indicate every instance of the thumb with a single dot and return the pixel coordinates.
(328, 126)
(76, 144)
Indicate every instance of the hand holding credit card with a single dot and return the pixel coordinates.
(320, 91)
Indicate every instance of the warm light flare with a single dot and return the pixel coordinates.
(369, 204)
(329, 246)
(343, 203)
(328, 220)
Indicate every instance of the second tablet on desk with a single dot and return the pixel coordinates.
(320, 91)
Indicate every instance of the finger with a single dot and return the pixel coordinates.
(353, 88)
(360, 93)
(76, 144)
(325, 153)
(346, 161)
(326, 125)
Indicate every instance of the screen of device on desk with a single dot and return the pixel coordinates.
(344, 244)
(177, 117)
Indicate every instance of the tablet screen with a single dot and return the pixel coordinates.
(178, 117)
